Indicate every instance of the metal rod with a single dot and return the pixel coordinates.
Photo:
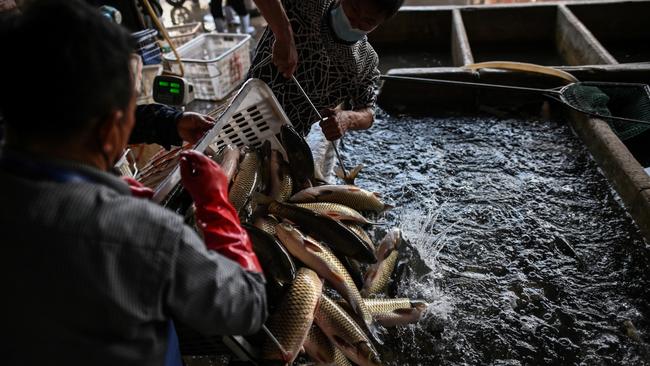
(552, 93)
(320, 117)
(467, 83)
(275, 340)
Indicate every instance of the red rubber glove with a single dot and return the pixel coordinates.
(222, 232)
(138, 189)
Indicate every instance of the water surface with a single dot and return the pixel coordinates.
(518, 241)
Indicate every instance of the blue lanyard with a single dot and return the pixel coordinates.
(40, 171)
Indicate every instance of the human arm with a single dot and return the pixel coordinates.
(217, 218)
(213, 294)
(339, 121)
(285, 56)
(157, 123)
(363, 97)
(217, 287)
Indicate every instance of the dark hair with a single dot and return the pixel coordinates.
(389, 7)
(65, 67)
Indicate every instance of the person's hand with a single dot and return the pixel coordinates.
(192, 126)
(215, 215)
(138, 189)
(203, 179)
(285, 56)
(336, 124)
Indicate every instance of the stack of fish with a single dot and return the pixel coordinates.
(304, 234)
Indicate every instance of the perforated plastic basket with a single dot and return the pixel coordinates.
(181, 34)
(253, 116)
(215, 63)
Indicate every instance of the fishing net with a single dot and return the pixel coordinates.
(613, 100)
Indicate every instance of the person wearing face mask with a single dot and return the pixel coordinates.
(337, 66)
(93, 275)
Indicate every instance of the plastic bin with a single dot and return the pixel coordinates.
(215, 63)
(253, 116)
(181, 34)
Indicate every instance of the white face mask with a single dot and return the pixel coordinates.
(342, 27)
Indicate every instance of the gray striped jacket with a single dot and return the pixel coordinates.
(92, 276)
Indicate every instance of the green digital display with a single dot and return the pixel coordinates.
(170, 90)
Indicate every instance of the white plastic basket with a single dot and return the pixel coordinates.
(253, 117)
(149, 73)
(181, 34)
(215, 63)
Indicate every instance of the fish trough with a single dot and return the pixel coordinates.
(525, 225)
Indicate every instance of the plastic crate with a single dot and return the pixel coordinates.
(149, 72)
(252, 117)
(181, 34)
(215, 63)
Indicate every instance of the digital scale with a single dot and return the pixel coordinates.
(172, 90)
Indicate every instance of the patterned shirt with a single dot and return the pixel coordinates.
(92, 275)
(331, 71)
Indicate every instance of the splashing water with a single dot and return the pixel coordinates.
(490, 207)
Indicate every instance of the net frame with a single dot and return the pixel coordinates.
(625, 106)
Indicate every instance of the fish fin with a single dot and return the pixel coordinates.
(377, 194)
(342, 343)
(370, 274)
(388, 207)
(309, 244)
(355, 171)
(364, 293)
(421, 305)
(262, 199)
(289, 222)
(354, 189)
(339, 277)
(352, 174)
(333, 214)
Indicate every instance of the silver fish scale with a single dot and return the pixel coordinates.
(341, 212)
(267, 224)
(361, 234)
(335, 322)
(291, 322)
(381, 306)
(351, 196)
(286, 187)
(245, 181)
(392, 319)
(319, 347)
(350, 291)
(340, 359)
(229, 161)
(384, 270)
(386, 260)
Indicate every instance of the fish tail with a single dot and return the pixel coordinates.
(354, 172)
(351, 176)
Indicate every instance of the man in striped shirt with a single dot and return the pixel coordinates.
(91, 274)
